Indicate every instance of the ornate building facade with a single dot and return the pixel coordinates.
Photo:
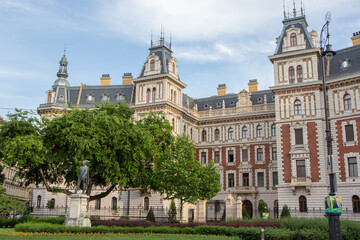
(267, 145)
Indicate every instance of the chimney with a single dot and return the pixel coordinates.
(105, 79)
(356, 38)
(253, 85)
(221, 89)
(127, 79)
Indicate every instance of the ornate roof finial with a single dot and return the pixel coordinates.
(294, 9)
(284, 9)
(65, 49)
(151, 41)
(302, 13)
(62, 73)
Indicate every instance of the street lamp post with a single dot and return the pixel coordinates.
(327, 53)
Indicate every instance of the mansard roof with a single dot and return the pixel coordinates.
(297, 22)
(337, 69)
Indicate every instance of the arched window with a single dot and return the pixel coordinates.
(297, 107)
(38, 203)
(244, 132)
(217, 135)
(152, 65)
(273, 130)
(175, 97)
(114, 203)
(153, 94)
(293, 41)
(231, 133)
(148, 95)
(203, 136)
(259, 132)
(347, 102)
(299, 73)
(146, 204)
(302, 204)
(356, 204)
(291, 75)
(97, 204)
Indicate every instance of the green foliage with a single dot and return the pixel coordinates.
(50, 204)
(121, 151)
(262, 208)
(124, 217)
(2, 176)
(172, 212)
(150, 216)
(285, 212)
(245, 214)
(10, 204)
(180, 176)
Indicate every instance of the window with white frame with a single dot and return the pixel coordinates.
(203, 157)
(217, 134)
(274, 154)
(347, 102)
(259, 131)
(349, 132)
(244, 132)
(245, 155)
(297, 107)
(353, 167)
(245, 179)
(217, 156)
(273, 130)
(275, 180)
(231, 133)
(260, 179)
(260, 154)
(231, 180)
(299, 136)
(231, 157)
(300, 168)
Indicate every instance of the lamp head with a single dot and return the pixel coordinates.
(329, 53)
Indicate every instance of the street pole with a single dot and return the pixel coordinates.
(334, 218)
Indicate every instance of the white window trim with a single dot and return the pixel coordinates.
(256, 179)
(227, 156)
(255, 149)
(303, 125)
(241, 157)
(227, 179)
(352, 143)
(214, 150)
(207, 156)
(342, 105)
(241, 177)
(271, 152)
(271, 178)
(346, 162)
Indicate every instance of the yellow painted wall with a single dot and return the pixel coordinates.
(221, 91)
(253, 87)
(356, 41)
(127, 80)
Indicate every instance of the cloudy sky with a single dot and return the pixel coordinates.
(215, 41)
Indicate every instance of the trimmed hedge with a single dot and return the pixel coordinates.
(10, 223)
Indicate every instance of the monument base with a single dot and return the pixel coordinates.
(77, 215)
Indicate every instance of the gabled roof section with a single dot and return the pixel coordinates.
(294, 22)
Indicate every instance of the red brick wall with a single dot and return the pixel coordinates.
(285, 133)
(314, 151)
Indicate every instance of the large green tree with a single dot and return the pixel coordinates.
(180, 176)
(122, 152)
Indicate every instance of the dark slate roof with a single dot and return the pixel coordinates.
(351, 54)
(216, 102)
(190, 99)
(98, 91)
(164, 54)
(298, 22)
(258, 97)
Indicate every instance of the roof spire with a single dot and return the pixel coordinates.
(151, 42)
(65, 49)
(170, 40)
(62, 73)
(294, 9)
(302, 13)
(284, 9)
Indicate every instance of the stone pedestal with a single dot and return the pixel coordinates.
(200, 215)
(77, 215)
(239, 208)
(230, 207)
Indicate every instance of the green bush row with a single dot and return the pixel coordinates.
(10, 223)
(244, 233)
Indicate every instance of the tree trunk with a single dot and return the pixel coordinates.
(181, 208)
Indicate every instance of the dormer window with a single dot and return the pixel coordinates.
(152, 65)
(120, 97)
(61, 98)
(105, 98)
(273, 98)
(259, 100)
(232, 103)
(218, 104)
(293, 41)
(206, 106)
(90, 98)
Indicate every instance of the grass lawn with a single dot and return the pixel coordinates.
(9, 233)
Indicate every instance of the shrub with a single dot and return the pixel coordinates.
(53, 220)
(125, 217)
(350, 230)
(297, 224)
(285, 212)
(150, 216)
(262, 208)
(94, 217)
(50, 204)
(245, 214)
(172, 212)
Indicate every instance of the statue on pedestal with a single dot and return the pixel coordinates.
(83, 179)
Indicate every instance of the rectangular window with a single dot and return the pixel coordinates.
(299, 136)
(203, 157)
(260, 178)
(274, 154)
(349, 131)
(245, 179)
(231, 156)
(231, 180)
(275, 179)
(217, 157)
(244, 154)
(353, 168)
(300, 168)
(259, 154)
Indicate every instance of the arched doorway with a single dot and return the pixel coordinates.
(247, 205)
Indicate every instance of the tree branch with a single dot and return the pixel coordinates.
(50, 189)
(103, 194)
